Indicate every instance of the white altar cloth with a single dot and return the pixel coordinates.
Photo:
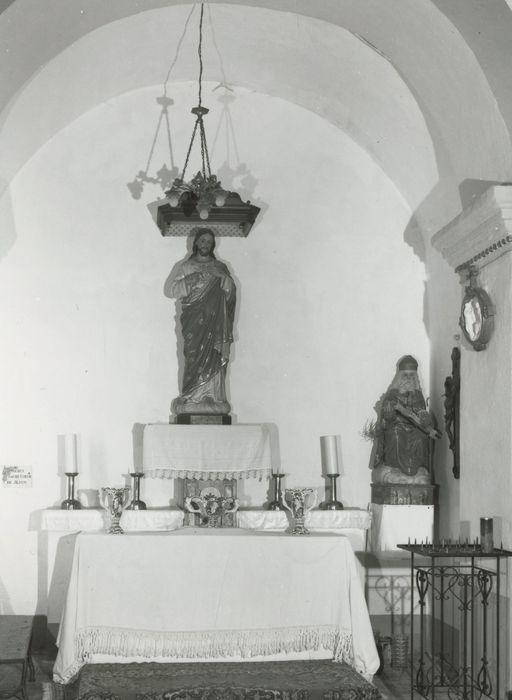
(213, 595)
(91, 519)
(206, 451)
(354, 519)
(94, 519)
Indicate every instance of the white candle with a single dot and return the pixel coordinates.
(70, 459)
(329, 450)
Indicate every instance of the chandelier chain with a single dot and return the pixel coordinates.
(205, 159)
(189, 149)
(204, 152)
(200, 52)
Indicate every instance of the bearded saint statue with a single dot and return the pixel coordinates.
(403, 431)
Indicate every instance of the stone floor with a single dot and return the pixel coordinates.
(43, 662)
(394, 684)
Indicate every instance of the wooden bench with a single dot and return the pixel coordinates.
(15, 639)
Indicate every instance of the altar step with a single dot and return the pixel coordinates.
(309, 680)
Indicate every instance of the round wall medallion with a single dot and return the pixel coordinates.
(476, 317)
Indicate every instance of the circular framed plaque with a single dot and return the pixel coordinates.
(477, 317)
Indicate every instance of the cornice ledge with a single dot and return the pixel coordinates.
(481, 233)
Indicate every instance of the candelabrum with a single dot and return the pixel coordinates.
(333, 503)
(136, 503)
(277, 503)
(71, 502)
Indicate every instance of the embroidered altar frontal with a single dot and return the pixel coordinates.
(268, 680)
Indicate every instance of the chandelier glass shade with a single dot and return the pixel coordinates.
(203, 199)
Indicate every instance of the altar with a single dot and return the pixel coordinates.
(217, 595)
(60, 528)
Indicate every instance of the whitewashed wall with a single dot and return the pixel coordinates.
(329, 298)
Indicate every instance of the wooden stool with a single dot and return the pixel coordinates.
(15, 638)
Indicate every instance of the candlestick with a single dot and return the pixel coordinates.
(486, 535)
(71, 503)
(329, 452)
(136, 503)
(277, 503)
(333, 504)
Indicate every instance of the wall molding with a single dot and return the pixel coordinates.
(481, 233)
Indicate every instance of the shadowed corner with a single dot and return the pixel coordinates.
(7, 223)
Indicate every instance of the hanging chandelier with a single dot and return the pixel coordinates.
(203, 199)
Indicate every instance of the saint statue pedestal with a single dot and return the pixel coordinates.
(405, 494)
(394, 525)
(202, 419)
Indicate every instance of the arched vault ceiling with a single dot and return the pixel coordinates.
(385, 72)
(291, 56)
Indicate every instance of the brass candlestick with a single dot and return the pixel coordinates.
(71, 503)
(277, 503)
(136, 503)
(333, 504)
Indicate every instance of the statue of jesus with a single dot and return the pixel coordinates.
(207, 293)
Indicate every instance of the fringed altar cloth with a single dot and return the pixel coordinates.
(224, 595)
(206, 451)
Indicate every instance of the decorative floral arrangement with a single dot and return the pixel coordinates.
(217, 504)
(211, 507)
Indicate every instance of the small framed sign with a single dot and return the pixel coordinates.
(16, 476)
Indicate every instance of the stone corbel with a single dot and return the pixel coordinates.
(480, 234)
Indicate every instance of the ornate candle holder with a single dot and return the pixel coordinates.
(299, 501)
(71, 502)
(136, 503)
(114, 500)
(277, 503)
(333, 504)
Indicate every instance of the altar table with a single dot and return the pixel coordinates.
(216, 595)
(60, 527)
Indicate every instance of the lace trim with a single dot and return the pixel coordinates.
(170, 473)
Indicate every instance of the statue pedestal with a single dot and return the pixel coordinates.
(394, 525)
(203, 419)
(405, 494)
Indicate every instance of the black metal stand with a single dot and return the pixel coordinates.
(136, 504)
(333, 504)
(277, 503)
(71, 503)
(457, 594)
